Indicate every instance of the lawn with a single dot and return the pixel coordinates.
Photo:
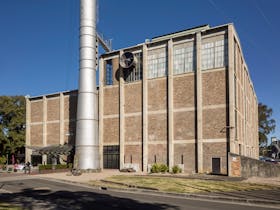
(6, 206)
(178, 185)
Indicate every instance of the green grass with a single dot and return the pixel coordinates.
(181, 185)
(6, 206)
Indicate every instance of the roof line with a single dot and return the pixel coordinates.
(185, 30)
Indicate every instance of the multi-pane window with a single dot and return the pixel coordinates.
(157, 63)
(219, 53)
(183, 59)
(213, 54)
(109, 72)
(135, 74)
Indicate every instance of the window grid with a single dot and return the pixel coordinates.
(136, 73)
(183, 59)
(157, 63)
(213, 55)
(109, 72)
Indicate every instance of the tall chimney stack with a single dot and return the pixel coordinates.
(87, 148)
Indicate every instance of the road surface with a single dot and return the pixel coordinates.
(34, 193)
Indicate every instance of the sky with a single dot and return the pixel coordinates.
(39, 39)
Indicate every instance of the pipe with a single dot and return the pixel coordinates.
(87, 147)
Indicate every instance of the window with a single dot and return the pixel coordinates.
(219, 54)
(109, 72)
(136, 73)
(183, 59)
(157, 63)
(111, 156)
(213, 55)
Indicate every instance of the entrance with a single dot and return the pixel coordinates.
(111, 157)
(36, 159)
(216, 165)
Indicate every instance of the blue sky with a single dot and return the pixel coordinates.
(39, 38)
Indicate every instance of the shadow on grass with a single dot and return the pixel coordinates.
(30, 199)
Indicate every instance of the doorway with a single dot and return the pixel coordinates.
(216, 165)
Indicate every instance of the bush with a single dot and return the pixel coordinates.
(3, 160)
(49, 166)
(157, 168)
(163, 168)
(45, 167)
(176, 169)
(60, 166)
(70, 165)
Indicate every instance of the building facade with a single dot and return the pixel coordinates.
(187, 101)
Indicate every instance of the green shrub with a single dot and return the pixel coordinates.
(70, 165)
(176, 169)
(45, 167)
(3, 160)
(49, 166)
(163, 168)
(60, 166)
(155, 168)
(159, 168)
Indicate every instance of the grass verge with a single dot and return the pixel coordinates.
(6, 206)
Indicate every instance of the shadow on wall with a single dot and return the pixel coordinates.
(72, 113)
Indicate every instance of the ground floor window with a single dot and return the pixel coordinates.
(111, 157)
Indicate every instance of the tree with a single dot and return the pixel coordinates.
(12, 124)
(266, 123)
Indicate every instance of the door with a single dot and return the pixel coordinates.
(216, 165)
(111, 157)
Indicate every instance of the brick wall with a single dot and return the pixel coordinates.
(53, 132)
(157, 97)
(111, 100)
(157, 127)
(133, 97)
(70, 132)
(184, 125)
(111, 131)
(70, 106)
(52, 122)
(36, 135)
(36, 111)
(214, 150)
(133, 129)
(184, 91)
(213, 87)
(214, 122)
(157, 153)
(133, 154)
(53, 109)
(185, 154)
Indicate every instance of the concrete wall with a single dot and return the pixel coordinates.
(242, 166)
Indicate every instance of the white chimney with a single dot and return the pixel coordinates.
(87, 147)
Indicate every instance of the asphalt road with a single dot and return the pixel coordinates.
(35, 194)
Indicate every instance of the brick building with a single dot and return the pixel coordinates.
(187, 101)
